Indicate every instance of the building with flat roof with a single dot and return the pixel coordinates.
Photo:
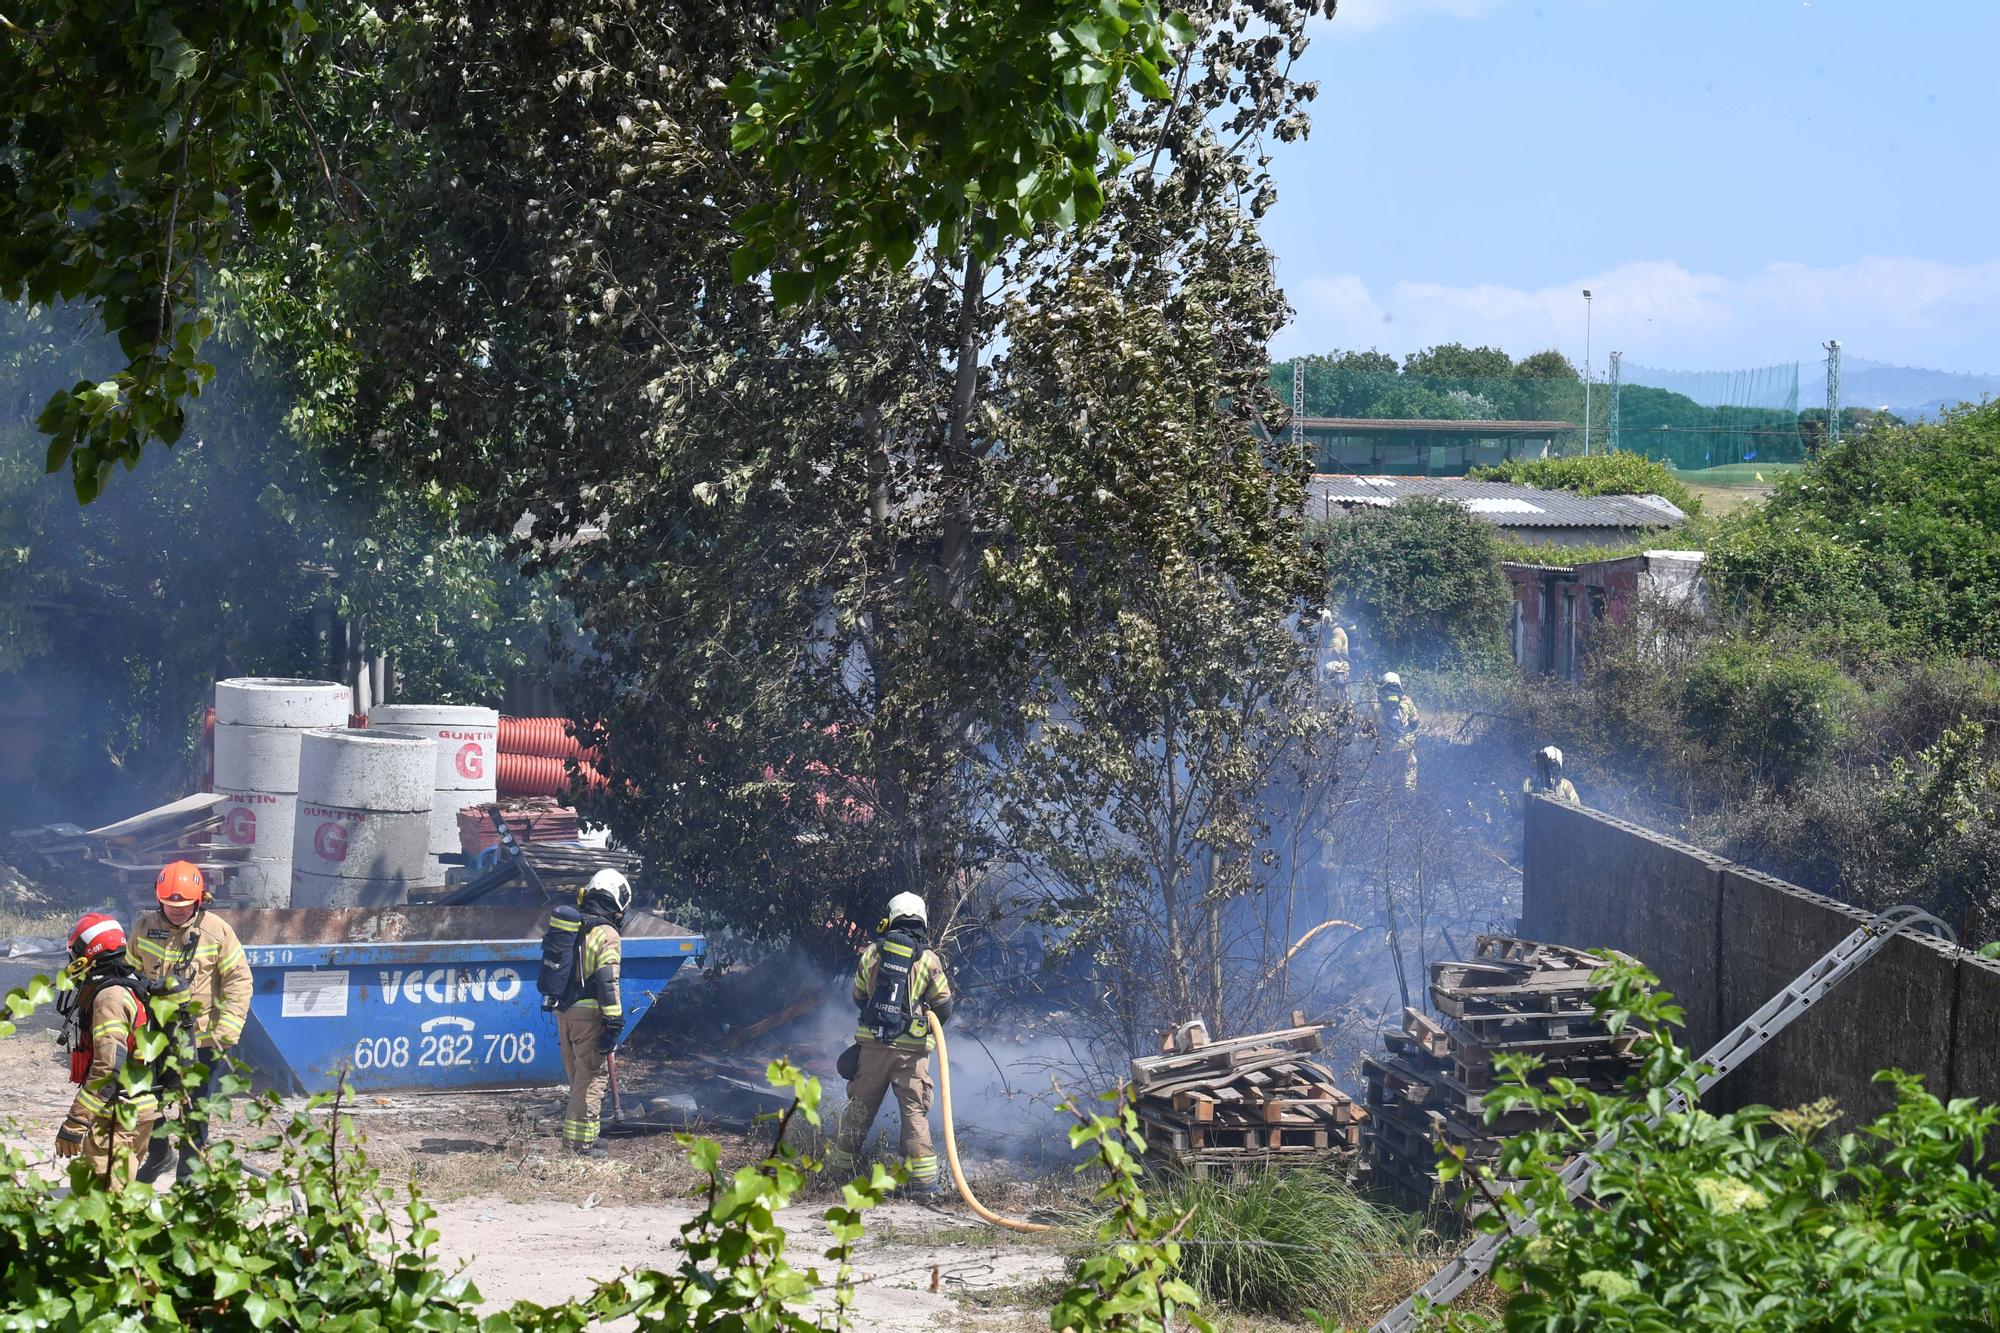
(1420, 448)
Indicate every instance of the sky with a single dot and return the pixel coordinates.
(1736, 181)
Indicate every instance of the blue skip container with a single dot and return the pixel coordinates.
(421, 998)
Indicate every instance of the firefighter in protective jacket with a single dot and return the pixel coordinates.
(900, 977)
(112, 1116)
(186, 951)
(590, 1021)
(1396, 723)
(1548, 779)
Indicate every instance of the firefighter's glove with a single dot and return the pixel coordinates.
(612, 1032)
(69, 1139)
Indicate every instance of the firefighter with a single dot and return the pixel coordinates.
(1548, 780)
(112, 1116)
(1334, 665)
(590, 1024)
(1396, 722)
(187, 952)
(900, 978)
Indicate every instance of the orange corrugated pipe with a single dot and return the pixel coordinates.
(539, 775)
(543, 737)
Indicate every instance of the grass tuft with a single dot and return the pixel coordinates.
(1285, 1242)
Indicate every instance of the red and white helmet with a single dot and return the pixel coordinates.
(94, 936)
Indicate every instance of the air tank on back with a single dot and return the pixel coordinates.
(362, 836)
(467, 764)
(258, 723)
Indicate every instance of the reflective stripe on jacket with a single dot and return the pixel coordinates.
(928, 986)
(114, 1015)
(602, 947)
(206, 954)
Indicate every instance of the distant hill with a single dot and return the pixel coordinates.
(1911, 393)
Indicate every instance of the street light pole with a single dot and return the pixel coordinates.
(1586, 370)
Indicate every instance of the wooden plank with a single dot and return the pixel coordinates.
(1152, 1068)
(1212, 1079)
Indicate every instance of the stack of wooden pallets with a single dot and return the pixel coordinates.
(1244, 1103)
(1432, 1081)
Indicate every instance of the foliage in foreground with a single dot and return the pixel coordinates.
(1758, 1219)
(313, 1244)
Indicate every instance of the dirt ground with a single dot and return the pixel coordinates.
(523, 1219)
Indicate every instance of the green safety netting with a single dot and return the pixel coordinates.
(1690, 419)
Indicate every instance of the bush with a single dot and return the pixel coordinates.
(1422, 578)
(1777, 713)
(1745, 1221)
(1618, 473)
(1790, 579)
(1910, 512)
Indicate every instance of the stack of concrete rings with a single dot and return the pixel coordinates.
(362, 838)
(259, 721)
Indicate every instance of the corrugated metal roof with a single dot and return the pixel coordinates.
(1501, 503)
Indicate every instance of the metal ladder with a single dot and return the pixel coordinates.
(1777, 1013)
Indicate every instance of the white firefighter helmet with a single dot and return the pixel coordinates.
(1551, 756)
(609, 892)
(1390, 680)
(904, 906)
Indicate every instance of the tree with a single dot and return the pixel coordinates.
(151, 148)
(1910, 512)
(808, 508)
(1456, 361)
(1423, 579)
(1548, 365)
(139, 151)
(895, 119)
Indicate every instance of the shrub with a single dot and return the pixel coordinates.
(1777, 713)
(1283, 1242)
(1616, 473)
(1745, 1221)
(1918, 508)
(1422, 577)
(1797, 579)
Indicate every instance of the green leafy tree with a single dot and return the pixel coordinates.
(881, 122)
(1423, 578)
(1549, 365)
(1456, 361)
(806, 509)
(1914, 514)
(1757, 1219)
(137, 139)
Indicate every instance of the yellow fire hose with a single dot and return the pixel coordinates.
(984, 1213)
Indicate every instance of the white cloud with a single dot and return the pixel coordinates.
(1359, 16)
(1657, 312)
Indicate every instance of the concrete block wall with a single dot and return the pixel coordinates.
(1593, 878)
(1725, 939)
